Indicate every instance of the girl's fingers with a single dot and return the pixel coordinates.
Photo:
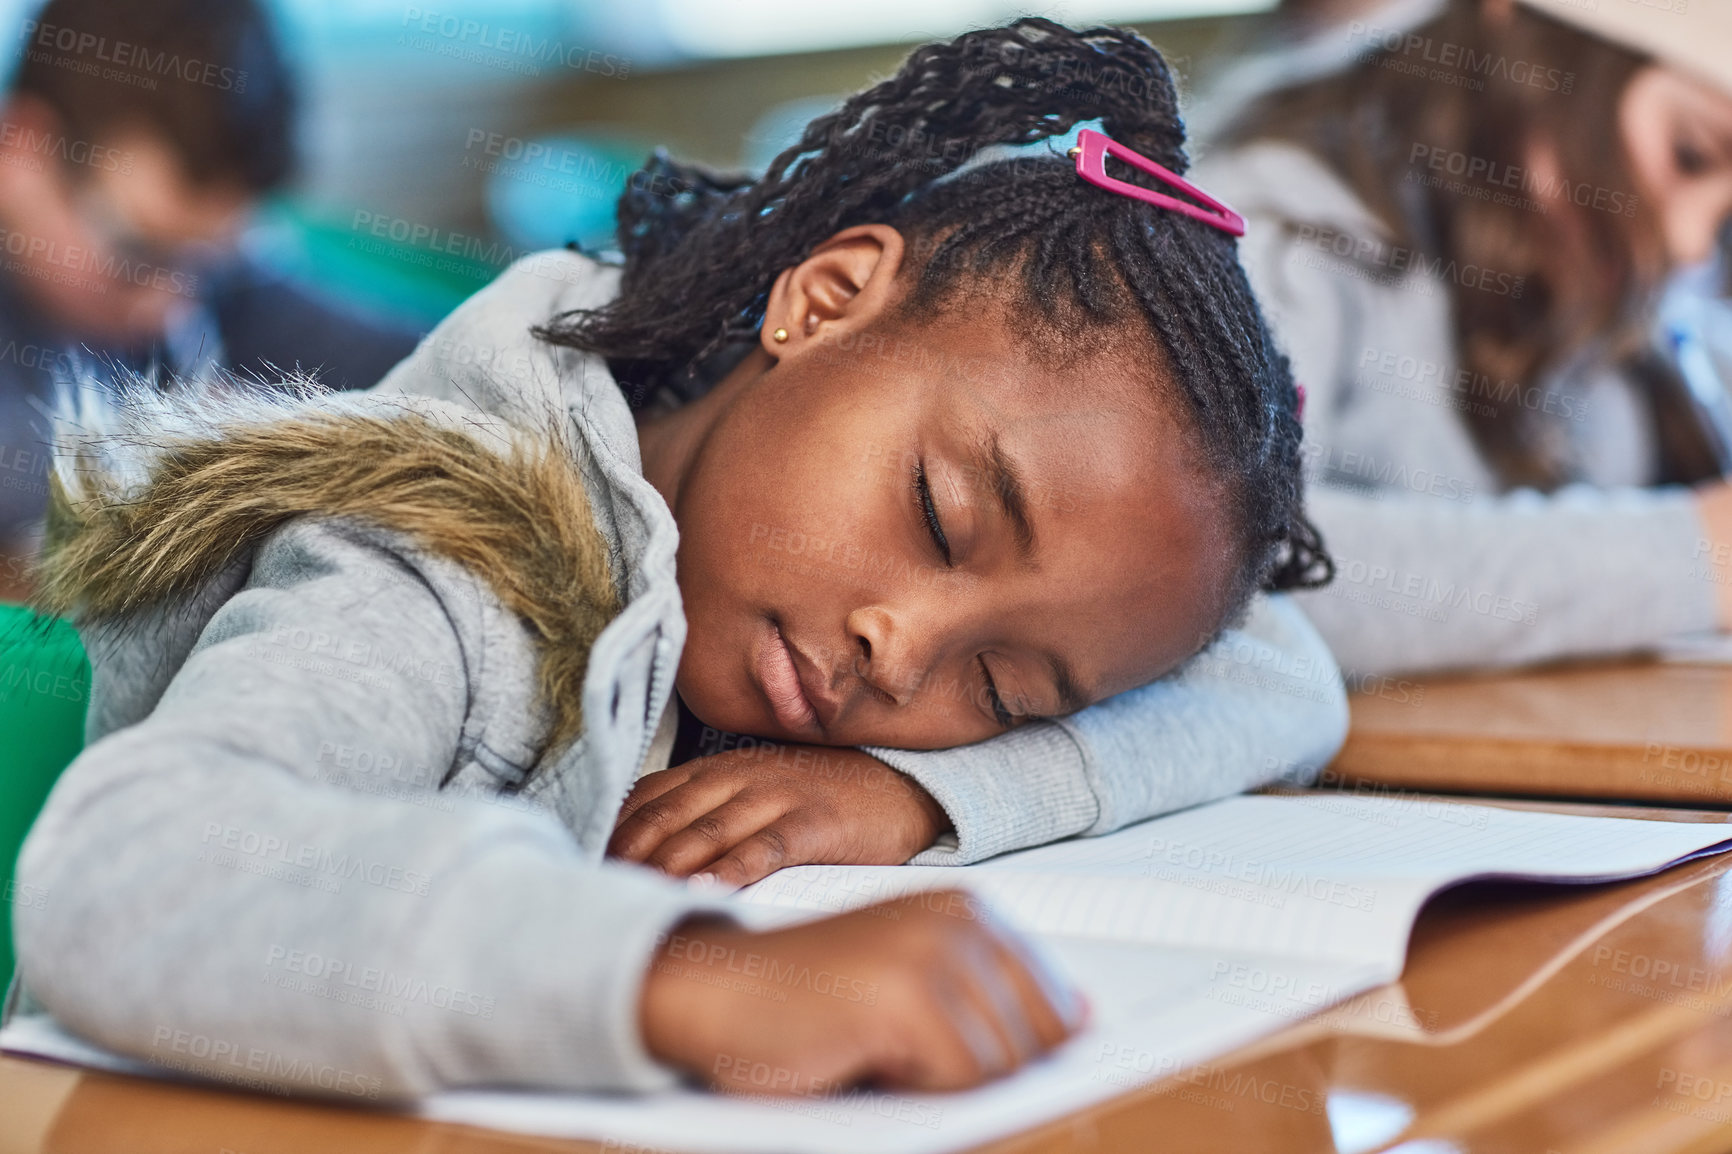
(951, 1044)
(660, 817)
(1001, 999)
(710, 835)
(991, 1016)
(648, 788)
(1054, 1008)
(784, 842)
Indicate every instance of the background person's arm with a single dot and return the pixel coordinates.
(1425, 585)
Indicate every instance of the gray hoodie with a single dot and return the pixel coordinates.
(309, 845)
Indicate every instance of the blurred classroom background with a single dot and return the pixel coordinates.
(440, 139)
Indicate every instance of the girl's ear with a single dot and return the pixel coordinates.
(844, 286)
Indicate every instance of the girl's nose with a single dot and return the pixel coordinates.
(882, 656)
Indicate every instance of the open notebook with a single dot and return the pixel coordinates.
(1191, 935)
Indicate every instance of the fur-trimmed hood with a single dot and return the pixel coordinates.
(488, 457)
(156, 495)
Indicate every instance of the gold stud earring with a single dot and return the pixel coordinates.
(779, 335)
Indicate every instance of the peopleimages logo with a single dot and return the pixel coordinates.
(1419, 595)
(31, 146)
(43, 258)
(1456, 64)
(1382, 474)
(252, 1067)
(1480, 170)
(1393, 264)
(1433, 382)
(302, 863)
(336, 976)
(510, 49)
(88, 52)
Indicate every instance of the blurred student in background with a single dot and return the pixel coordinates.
(135, 139)
(1461, 215)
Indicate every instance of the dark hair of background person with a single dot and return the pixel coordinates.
(1074, 269)
(1588, 274)
(238, 127)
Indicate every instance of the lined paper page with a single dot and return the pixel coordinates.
(1332, 878)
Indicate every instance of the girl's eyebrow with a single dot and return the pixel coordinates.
(1001, 475)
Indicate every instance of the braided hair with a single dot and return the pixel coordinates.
(699, 263)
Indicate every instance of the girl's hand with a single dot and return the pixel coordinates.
(919, 993)
(743, 815)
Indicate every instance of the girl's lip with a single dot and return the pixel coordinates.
(780, 680)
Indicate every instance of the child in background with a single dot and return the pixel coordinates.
(124, 189)
(1461, 213)
(462, 591)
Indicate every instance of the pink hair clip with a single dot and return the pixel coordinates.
(1091, 153)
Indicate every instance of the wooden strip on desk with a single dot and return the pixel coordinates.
(1648, 732)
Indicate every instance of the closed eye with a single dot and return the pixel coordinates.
(992, 697)
(929, 511)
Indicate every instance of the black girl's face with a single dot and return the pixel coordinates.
(1677, 132)
(915, 537)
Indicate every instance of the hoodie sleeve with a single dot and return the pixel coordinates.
(1264, 703)
(1424, 585)
(261, 881)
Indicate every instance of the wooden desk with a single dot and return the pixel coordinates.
(1528, 1021)
(1653, 731)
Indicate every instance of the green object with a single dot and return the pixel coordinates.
(44, 689)
(405, 269)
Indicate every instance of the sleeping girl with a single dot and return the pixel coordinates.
(942, 469)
